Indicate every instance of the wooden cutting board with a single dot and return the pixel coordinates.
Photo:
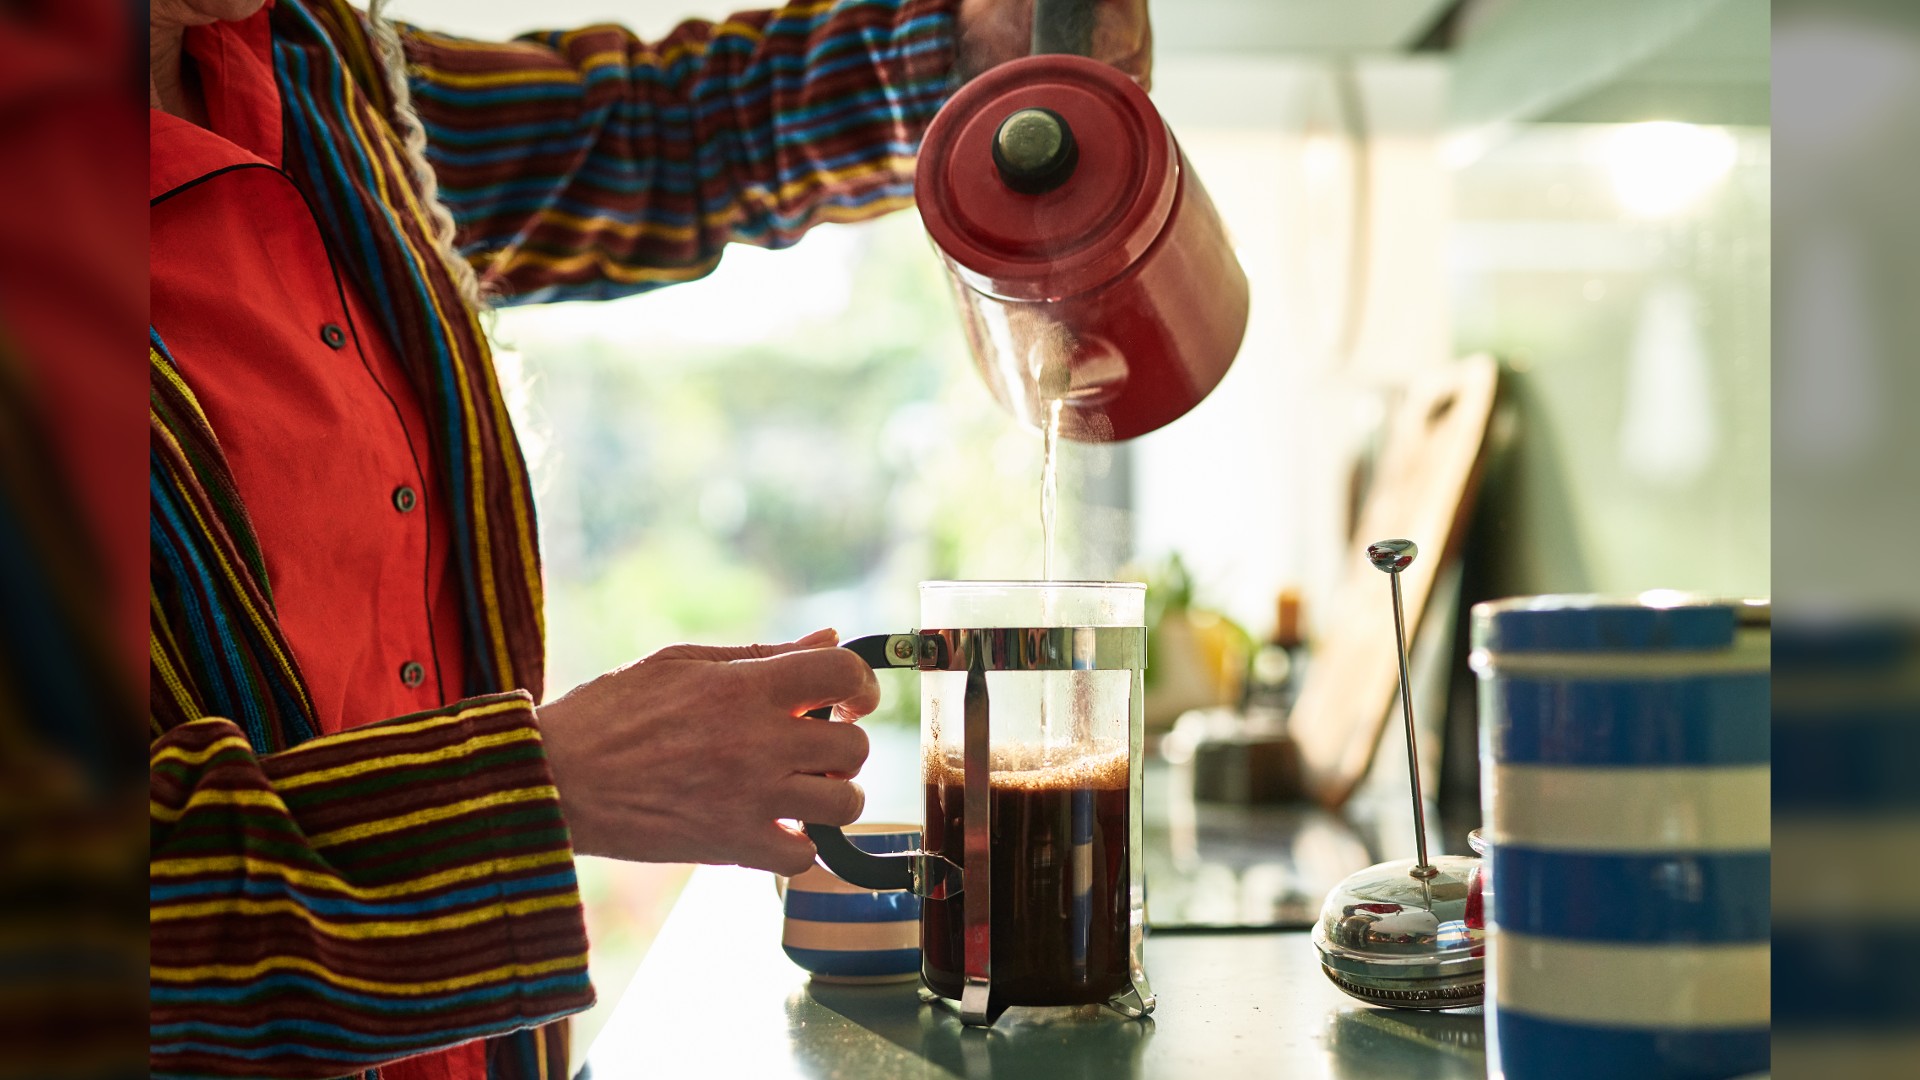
(1423, 486)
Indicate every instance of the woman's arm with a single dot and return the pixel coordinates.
(368, 895)
(590, 164)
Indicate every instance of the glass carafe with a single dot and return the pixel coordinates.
(1030, 738)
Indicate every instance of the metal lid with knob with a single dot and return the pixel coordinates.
(1046, 177)
(1407, 934)
(1391, 937)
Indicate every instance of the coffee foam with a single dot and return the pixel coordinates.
(1035, 768)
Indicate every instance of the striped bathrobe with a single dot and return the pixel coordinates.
(322, 904)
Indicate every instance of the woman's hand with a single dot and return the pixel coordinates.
(995, 31)
(695, 754)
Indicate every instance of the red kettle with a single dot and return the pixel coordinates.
(1089, 264)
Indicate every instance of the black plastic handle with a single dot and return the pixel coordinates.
(856, 867)
(1063, 26)
(836, 852)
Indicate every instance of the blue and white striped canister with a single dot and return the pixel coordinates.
(1625, 771)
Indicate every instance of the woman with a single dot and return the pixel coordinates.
(362, 825)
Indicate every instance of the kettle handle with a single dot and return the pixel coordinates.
(836, 852)
(1063, 26)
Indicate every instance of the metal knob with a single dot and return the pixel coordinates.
(1034, 150)
(1392, 556)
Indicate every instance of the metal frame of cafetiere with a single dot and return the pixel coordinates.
(1406, 934)
(928, 874)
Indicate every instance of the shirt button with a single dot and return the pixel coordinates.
(412, 674)
(335, 337)
(405, 499)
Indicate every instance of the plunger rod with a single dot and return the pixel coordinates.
(1423, 868)
(1390, 557)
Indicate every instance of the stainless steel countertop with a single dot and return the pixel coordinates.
(715, 997)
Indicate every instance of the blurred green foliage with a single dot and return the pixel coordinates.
(731, 491)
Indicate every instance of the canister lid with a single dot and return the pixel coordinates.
(1074, 236)
(1660, 621)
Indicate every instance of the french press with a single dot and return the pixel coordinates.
(1031, 724)
(1089, 264)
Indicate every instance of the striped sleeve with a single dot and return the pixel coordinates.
(590, 164)
(369, 895)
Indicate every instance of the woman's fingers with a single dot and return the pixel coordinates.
(819, 799)
(689, 755)
(777, 847)
(823, 746)
(806, 679)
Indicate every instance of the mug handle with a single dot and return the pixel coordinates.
(836, 852)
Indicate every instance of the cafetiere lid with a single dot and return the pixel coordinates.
(1045, 177)
(1392, 937)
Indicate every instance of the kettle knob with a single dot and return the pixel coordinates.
(1034, 150)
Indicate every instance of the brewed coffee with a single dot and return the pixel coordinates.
(1060, 888)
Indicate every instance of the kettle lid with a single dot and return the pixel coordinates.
(1080, 210)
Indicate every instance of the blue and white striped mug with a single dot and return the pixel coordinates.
(1625, 773)
(844, 933)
